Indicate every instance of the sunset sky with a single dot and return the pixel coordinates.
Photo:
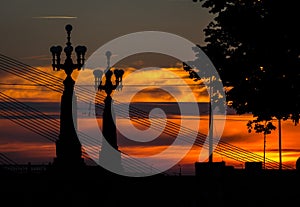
(30, 28)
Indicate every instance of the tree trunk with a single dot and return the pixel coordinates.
(279, 143)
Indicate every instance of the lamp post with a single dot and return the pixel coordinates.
(68, 147)
(109, 130)
(211, 123)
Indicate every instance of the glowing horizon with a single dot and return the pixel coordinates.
(235, 131)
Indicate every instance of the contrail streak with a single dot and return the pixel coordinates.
(55, 17)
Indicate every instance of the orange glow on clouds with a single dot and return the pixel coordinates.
(34, 151)
(173, 80)
(25, 90)
(173, 85)
(235, 131)
(23, 146)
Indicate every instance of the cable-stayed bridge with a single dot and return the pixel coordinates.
(49, 81)
(48, 128)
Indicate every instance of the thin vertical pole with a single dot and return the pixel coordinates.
(264, 151)
(279, 143)
(210, 127)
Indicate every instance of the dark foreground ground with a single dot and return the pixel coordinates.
(93, 188)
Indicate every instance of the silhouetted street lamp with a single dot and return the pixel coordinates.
(68, 147)
(108, 126)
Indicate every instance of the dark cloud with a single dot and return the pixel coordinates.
(172, 109)
(237, 138)
(145, 60)
(50, 109)
(285, 150)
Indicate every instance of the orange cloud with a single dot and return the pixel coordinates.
(174, 81)
(25, 90)
(24, 152)
(235, 131)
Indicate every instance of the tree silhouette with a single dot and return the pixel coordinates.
(255, 47)
(213, 83)
(261, 126)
